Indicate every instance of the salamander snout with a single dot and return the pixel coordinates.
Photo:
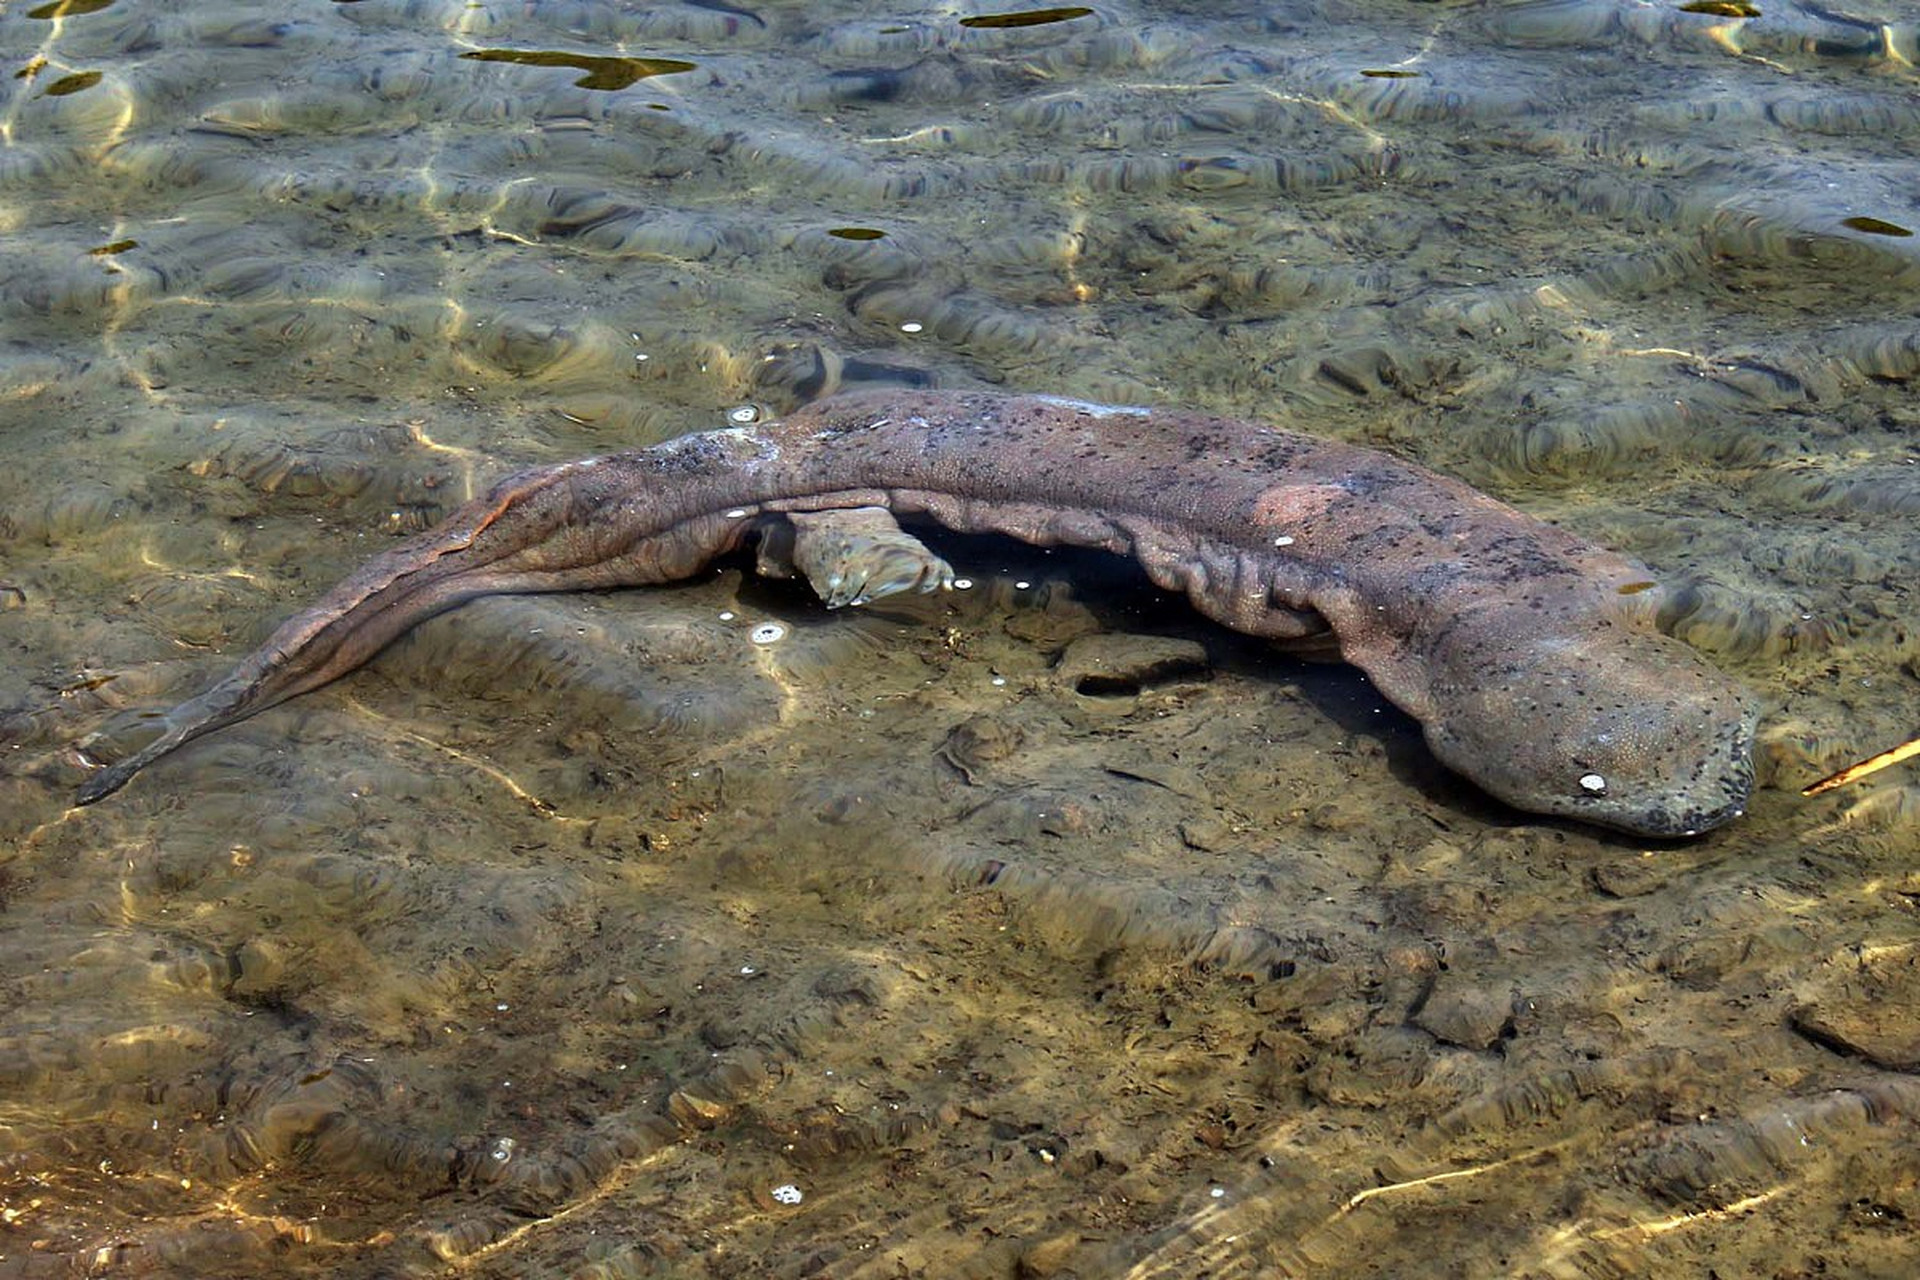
(1634, 731)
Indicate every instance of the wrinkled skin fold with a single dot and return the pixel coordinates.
(1529, 657)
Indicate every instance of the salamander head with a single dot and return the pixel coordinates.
(1626, 729)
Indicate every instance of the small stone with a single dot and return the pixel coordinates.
(978, 743)
(1120, 665)
(1053, 620)
(1208, 835)
(1471, 1017)
(260, 965)
(1049, 1257)
(1869, 1012)
(691, 1111)
(1336, 816)
(1631, 877)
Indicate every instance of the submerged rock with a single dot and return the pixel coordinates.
(1869, 1011)
(1121, 665)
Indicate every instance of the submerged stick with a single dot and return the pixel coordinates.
(1872, 764)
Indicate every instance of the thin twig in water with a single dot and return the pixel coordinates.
(1873, 764)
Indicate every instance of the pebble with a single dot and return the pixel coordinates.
(1471, 1017)
(1124, 664)
(1868, 1011)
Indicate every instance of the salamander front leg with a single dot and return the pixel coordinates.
(852, 557)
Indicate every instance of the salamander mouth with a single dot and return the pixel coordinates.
(1731, 789)
(1714, 790)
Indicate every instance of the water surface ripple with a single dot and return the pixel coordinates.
(627, 935)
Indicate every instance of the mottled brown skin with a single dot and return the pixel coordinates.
(1528, 656)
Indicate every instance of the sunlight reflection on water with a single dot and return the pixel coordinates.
(577, 932)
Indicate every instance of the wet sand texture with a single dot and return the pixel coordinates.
(560, 939)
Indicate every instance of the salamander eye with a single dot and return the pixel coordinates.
(1593, 784)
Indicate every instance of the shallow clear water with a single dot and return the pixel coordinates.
(559, 939)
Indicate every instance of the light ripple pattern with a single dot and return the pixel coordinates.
(705, 931)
